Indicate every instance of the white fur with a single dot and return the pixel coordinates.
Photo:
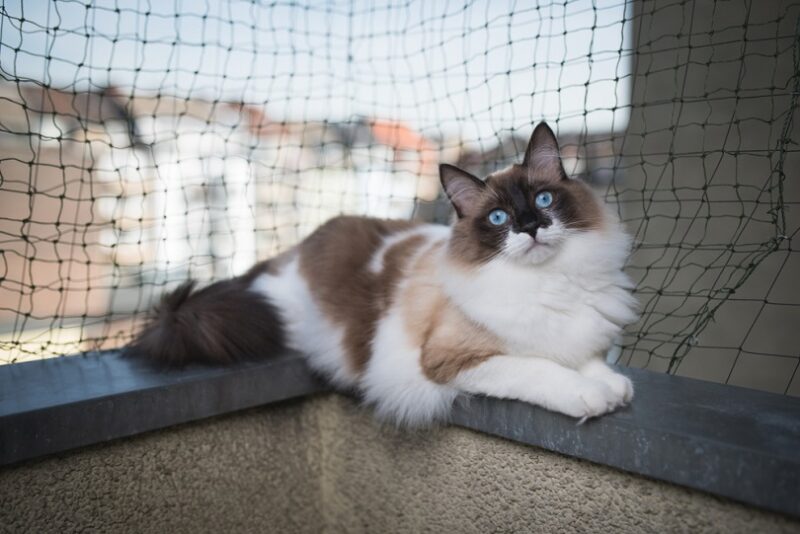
(308, 330)
(522, 247)
(620, 385)
(394, 382)
(541, 382)
(569, 308)
(558, 312)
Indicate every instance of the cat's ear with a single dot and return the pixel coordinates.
(542, 157)
(463, 189)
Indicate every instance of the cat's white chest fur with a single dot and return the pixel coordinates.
(552, 311)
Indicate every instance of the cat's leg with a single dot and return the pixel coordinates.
(597, 369)
(542, 382)
(394, 382)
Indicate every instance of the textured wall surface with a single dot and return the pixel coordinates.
(253, 471)
(455, 480)
(324, 465)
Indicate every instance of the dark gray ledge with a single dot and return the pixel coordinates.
(728, 441)
(59, 404)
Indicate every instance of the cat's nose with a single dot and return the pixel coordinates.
(530, 228)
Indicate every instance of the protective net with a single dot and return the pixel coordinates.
(142, 143)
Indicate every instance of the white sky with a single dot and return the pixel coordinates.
(472, 70)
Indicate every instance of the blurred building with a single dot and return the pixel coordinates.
(108, 198)
(55, 270)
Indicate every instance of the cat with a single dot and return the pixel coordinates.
(520, 299)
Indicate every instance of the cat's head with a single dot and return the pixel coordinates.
(526, 213)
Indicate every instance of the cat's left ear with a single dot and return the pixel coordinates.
(463, 189)
(542, 156)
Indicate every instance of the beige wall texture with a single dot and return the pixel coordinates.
(254, 471)
(323, 465)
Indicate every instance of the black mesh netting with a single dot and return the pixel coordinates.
(142, 143)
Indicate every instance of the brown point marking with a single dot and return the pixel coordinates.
(456, 343)
(334, 261)
(475, 241)
(586, 212)
(395, 261)
(577, 206)
(450, 342)
(443, 365)
(272, 266)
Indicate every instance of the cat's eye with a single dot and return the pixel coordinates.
(498, 217)
(544, 199)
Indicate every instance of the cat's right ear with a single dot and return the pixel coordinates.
(463, 189)
(542, 158)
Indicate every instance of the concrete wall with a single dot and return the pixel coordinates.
(323, 465)
(712, 117)
(256, 471)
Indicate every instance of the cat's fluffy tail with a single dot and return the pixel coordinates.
(221, 323)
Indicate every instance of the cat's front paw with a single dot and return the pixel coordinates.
(599, 399)
(619, 384)
(589, 398)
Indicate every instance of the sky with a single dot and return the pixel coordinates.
(472, 70)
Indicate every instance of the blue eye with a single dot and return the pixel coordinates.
(544, 199)
(498, 217)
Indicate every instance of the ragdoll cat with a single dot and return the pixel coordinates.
(520, 298)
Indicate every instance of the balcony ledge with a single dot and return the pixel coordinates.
(727, 441)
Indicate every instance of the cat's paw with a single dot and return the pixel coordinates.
(599, 399)
(619, 384)
(589, 398)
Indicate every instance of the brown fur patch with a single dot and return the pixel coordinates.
(273, 265)
(573, 201)
(449, 340)
(454, 344)
(335, 260)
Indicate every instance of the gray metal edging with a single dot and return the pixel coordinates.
(728, 441)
